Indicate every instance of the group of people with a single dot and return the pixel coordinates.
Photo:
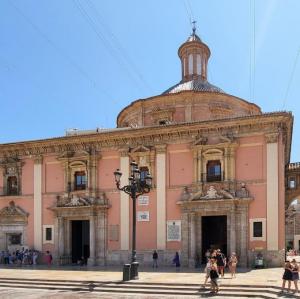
(175, 261)
(291, 273)
(19, 257)
(215, 266)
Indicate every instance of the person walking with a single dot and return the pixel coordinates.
(295, 274)
(232, 263)
(207, 272)
(155, 258)
(213, 274)
(48, 258)
(287, 276)
(176, 260)
(221, 262)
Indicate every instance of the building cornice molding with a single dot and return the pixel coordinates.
(155, 135)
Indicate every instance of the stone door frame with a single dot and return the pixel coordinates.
(236, 211)
(97, 217)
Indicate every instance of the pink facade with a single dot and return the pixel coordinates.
(214, 159)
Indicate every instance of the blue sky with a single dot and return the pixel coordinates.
(77, 63)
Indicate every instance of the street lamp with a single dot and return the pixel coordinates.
(136, 187)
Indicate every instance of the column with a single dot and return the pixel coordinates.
(243, 234)
(272, 191)
(91, 260)
(192, 238)
(61, 231)
(226, 162)
(184, 239)
(232, 230)
(161, 196)
(124, 201)
(93, 172)
(37, 203)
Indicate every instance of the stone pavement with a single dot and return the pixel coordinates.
(98, 282)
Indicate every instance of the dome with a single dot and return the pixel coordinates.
(192, 99)
(197, 84)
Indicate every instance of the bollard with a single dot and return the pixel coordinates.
(126, 272)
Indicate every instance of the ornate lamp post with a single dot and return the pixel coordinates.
(136, 187)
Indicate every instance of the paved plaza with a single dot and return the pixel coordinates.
(96, 282)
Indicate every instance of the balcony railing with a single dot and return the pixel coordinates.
(205, 177)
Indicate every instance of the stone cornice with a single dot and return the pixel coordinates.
(155, 135)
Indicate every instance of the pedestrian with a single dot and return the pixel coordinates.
(232, 263)
(213, 274)
(221, 262)
(48, 258)
(207, 255)
(176, 260)
(295, 274)
(207, 272)
(34, 257)
(287, 276)
(155, 258)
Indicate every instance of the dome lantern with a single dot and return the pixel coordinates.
(194, 55)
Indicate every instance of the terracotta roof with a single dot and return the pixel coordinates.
(194, 85)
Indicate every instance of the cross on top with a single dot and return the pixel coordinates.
(194, 27)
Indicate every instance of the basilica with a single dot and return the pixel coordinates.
(218, 168)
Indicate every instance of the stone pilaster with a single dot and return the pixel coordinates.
(61, 235)
(161, 197)
(124, 201)
(272, 191)
(95, 156)
(185, 239)
(91, 260)
(192, 239)
(37, 203)
(101, 238)
(242, 246)
(232, 231)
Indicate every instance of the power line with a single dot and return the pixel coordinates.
(79, 69)
(101, 37)
(188, 10)
(290, 79)
(118, 44)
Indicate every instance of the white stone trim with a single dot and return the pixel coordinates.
(37, 206)
(45, 226)
(124, 205)
(263, 221)
(161, 200)
(272, 196)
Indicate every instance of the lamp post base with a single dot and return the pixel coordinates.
(134, 273)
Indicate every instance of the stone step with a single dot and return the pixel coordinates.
(143, 288)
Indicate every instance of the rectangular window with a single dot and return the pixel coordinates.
(213, 169)
(48, 233)
(292, 183)
(80, 180)
(257, 229)
(15, 239)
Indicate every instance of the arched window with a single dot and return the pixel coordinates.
(190, 64)
(198, 64)
(12, 185)
(79, 180)
(213, 171)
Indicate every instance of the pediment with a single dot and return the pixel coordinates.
(140, 149)
(13, 213)
(73, 154)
